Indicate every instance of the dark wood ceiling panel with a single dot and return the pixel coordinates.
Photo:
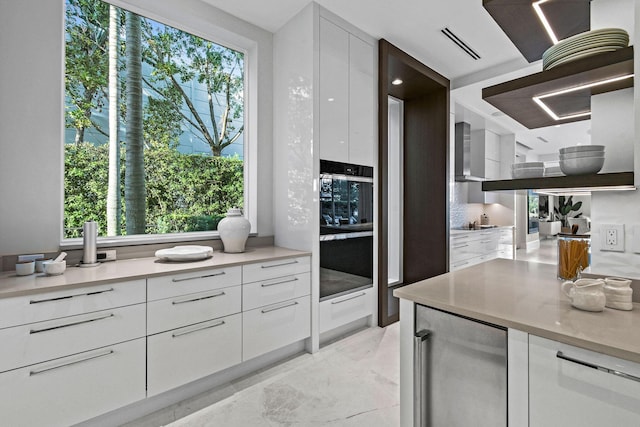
(518, 20)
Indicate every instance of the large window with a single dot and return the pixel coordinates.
(154, 125)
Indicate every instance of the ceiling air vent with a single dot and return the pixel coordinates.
(542, 139)
(461, 44)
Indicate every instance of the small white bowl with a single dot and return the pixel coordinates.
(526, 165)
(527, 172)
(581, 148)
(581, 166)
(54, 268)
(25, 268)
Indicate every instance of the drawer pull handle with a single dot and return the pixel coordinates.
(201, 328)
(460, 246)
(174, 280)
(295, 261)
(460, 237)
(268, 310)
(266, 285)
(38, 301)
(561, 355)
(51, 368)
(219, 294)
(80, 322)
(486, 241)
(351, 297)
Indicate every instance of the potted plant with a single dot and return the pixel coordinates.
(564, 208)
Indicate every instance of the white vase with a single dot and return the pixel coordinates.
(234, 231)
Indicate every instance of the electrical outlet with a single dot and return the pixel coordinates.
(106, 255)
(612, 237)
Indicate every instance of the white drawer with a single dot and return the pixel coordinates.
(466, 250)
(172, 313)
(66, 391)
(272, 269)
(189, 283)
(274, 326)
(187, 354)
(38, 342)
(52, 305)
(276, 290)
(345, 309)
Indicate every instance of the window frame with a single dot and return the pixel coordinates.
(200, 27)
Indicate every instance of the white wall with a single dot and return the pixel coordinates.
(618, 207)
(31, 110)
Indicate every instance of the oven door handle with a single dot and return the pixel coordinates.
(343, 236)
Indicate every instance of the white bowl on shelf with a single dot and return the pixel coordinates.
(553, 171)
(527, 165)
(582, 154)
(581, 148)
(533, 172)
(582, 165)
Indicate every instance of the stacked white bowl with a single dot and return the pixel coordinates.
(581, 159)
(527, 170)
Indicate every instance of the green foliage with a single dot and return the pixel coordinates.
(565, 207)
(185, 192)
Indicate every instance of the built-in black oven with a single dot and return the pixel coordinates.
(346, 228)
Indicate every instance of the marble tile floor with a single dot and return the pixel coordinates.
(350, 382)
(547, 253)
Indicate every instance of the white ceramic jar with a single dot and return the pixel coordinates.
(234, 231)
(586, 294)
(619, 293)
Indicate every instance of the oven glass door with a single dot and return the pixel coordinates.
(346, 234)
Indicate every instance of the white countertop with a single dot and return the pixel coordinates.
(526, 296)
(131, 269)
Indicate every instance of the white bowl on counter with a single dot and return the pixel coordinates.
(54, 268)
(581, 165)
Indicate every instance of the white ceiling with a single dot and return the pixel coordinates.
(414, 26)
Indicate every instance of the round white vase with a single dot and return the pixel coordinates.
(234, 231)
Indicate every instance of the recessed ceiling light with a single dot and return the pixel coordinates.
(554, 116)
(543, 19)
(396, 82)
(330, 99)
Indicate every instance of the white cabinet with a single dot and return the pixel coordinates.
(506, 246)
(486, 163)
(472, 247)
(71, 389)
(276, 305)
(72, 355)
(194, 328)
(570, 386)
(347, 96)
(186, 354)
(345, 309)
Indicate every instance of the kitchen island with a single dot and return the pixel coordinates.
(525, 298)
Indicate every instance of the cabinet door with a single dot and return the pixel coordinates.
(198, 281)
(566, 389)
(183, 355)
(274, 269)
(272, 291)
(52, 305)
(334, 92)
(274, 326)
(171, 313)
(38, 342)
(72, 389)
(362, 142)
(342, 310)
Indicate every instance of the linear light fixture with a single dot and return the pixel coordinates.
(543, 19)
(582, 191)
(554, 116)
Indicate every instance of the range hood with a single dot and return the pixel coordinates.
(463, 153)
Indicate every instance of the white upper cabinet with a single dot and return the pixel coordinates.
(334, 92)
(347, 100)
(362, 142)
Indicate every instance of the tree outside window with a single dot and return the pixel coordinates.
(154, 125)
